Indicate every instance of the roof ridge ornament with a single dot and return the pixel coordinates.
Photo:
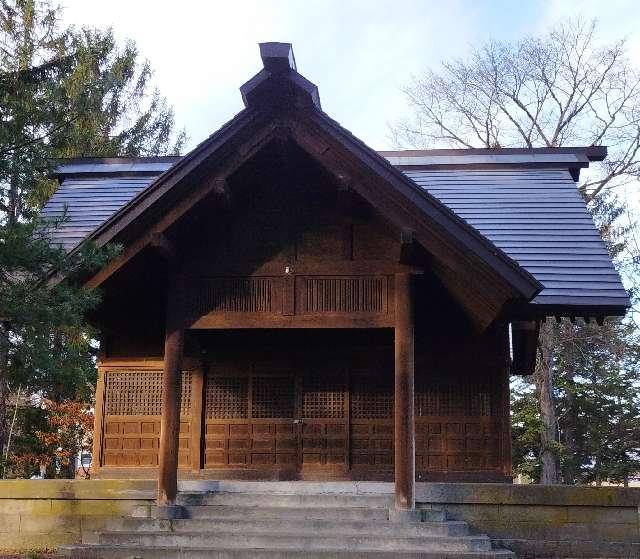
(279, 84)
(277, 57)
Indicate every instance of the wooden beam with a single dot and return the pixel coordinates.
(507, 440)
(98, 421)
(171, 377)
(152, 233)
(404, 423)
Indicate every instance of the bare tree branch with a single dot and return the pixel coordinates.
(559, 89)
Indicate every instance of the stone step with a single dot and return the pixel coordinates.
(241, 525)
(304, 513)
(433, 515)
(129, 552)
(355, 488)
(285, 513)
(298, 542)
(329, 500)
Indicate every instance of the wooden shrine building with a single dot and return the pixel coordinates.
(290, 304)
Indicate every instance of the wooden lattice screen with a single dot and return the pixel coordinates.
(132, 412)
(323, 396)
(140, 393)
(458, 426)
(324, 441)
(273, 397)
(133, 393)
(455, 396)
(226, 397)
(372, 396)
(372, 418)
(241, 295)
(346, 294)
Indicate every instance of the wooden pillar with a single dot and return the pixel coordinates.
(197, 400)
(504, 364)
(170, 421)
(98, 427)
(404, 432)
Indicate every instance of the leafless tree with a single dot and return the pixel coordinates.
(562, 88)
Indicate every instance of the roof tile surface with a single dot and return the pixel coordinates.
(536, 216)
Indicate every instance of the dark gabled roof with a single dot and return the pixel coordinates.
(539, 219)
(125, 166)
(516, 210)
(570, 158)
(535, 215)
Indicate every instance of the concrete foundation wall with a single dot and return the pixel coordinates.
(533, 521)
(544, 521)
(42, 514)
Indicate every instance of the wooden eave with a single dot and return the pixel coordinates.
(483, 279)
(214, 144)
(441, 221)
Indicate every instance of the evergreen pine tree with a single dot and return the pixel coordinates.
(63, 93)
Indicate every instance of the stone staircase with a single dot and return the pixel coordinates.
(234, 525)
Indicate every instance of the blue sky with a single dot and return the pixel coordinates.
(359, 53)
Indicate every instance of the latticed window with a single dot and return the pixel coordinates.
(140, 392)
(226, 397)
(323, 396)
(457, 396)
(232, 295)
(346, 295)
(273, 396)
(372, 397)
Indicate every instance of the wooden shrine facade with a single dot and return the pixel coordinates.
(297, 307)
(290, 304)
(294, 410)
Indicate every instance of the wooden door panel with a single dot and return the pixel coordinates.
(372, 426)
(324, 443)
(268, 414)
(458, 424)
(324, 413)
(249, 418)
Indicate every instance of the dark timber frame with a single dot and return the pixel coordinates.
(404, 428)
(297, 308)
(283, 108)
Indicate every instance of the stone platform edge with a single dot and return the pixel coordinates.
(534, 521)
(538, 521)
(39, 515)
(513, 494)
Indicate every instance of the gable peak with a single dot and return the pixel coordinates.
(279, 83)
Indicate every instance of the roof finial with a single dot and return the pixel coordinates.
(278, 84)
(277, 57)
